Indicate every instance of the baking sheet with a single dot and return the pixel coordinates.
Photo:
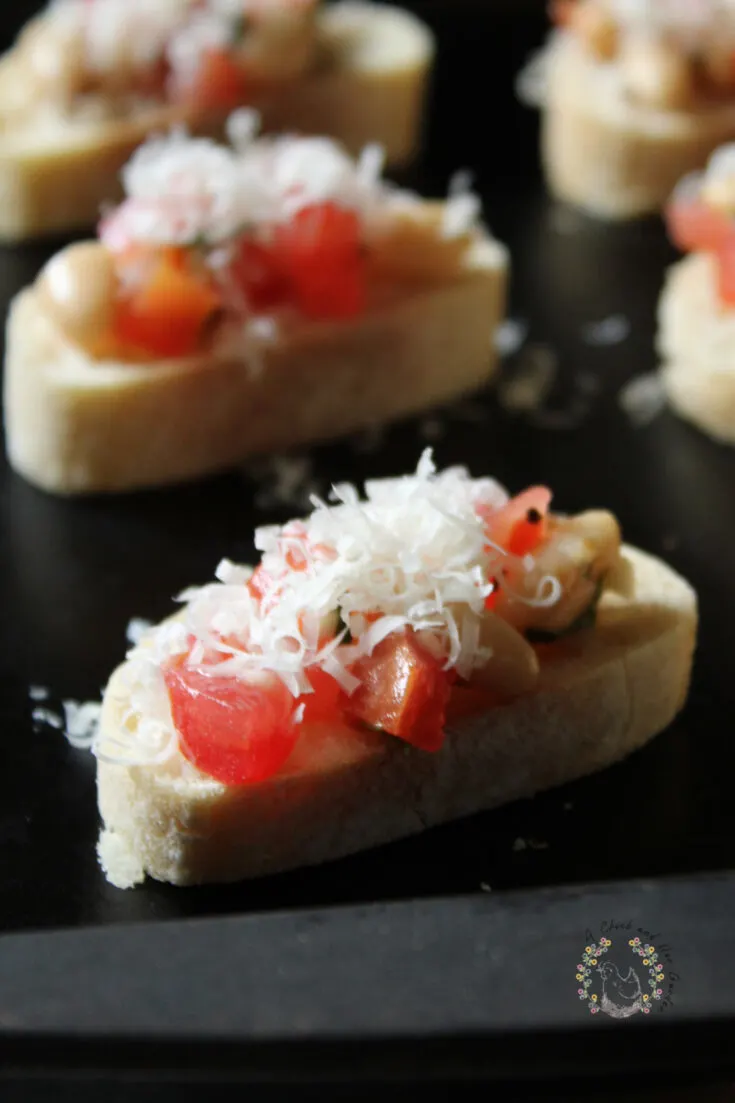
(74, 573)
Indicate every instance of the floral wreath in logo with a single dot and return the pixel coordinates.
(590, 960)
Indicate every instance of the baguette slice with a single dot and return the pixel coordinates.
(696, 341)
(602, 694)
(611, 157)
(74, 425)
(370, 87)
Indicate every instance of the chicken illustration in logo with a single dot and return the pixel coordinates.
(622, 996)
(604, 988)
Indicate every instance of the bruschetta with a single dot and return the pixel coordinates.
(87, 82)
(696, 315)
(392, 663)
(244, 299)
(633, 95)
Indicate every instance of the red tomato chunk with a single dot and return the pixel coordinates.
(237, 733)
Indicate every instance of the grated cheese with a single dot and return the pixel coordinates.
(182, 190)
(43, 715)
(78, 720)
(81, 722)
(414, 552)
(120, 38)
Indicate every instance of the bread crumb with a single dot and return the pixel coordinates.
(519, 844)
(38, 693)
(484, 887)
(120, 865)
(510, 336)
(610, 331)
(643, 398)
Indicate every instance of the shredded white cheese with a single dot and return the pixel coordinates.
(414, 552)
(43, 715)
(182, 190)
(82, 722)
(120, 38)
(78, 720)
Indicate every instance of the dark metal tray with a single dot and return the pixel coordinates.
(73, 573)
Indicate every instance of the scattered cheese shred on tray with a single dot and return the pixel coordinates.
(643, 398)
(79, 720)
(610, 331)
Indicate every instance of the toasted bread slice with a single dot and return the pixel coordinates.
(696, 340)
(604, 153)
(369, 86)
(75, 425)
(603, 693)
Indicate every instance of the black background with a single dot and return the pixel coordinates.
(72, 574)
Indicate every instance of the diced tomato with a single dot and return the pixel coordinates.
(166, 315)
(403, 691)
(220, 82)
(520, 526)
(694, 226)
(319, 253)
(326, 702)
(726, 271)
(235, 732)
(254, 271)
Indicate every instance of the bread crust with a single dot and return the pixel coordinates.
(696, 341)
(602, 694)
(608, 156)
(370, 88)
(74, 426)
